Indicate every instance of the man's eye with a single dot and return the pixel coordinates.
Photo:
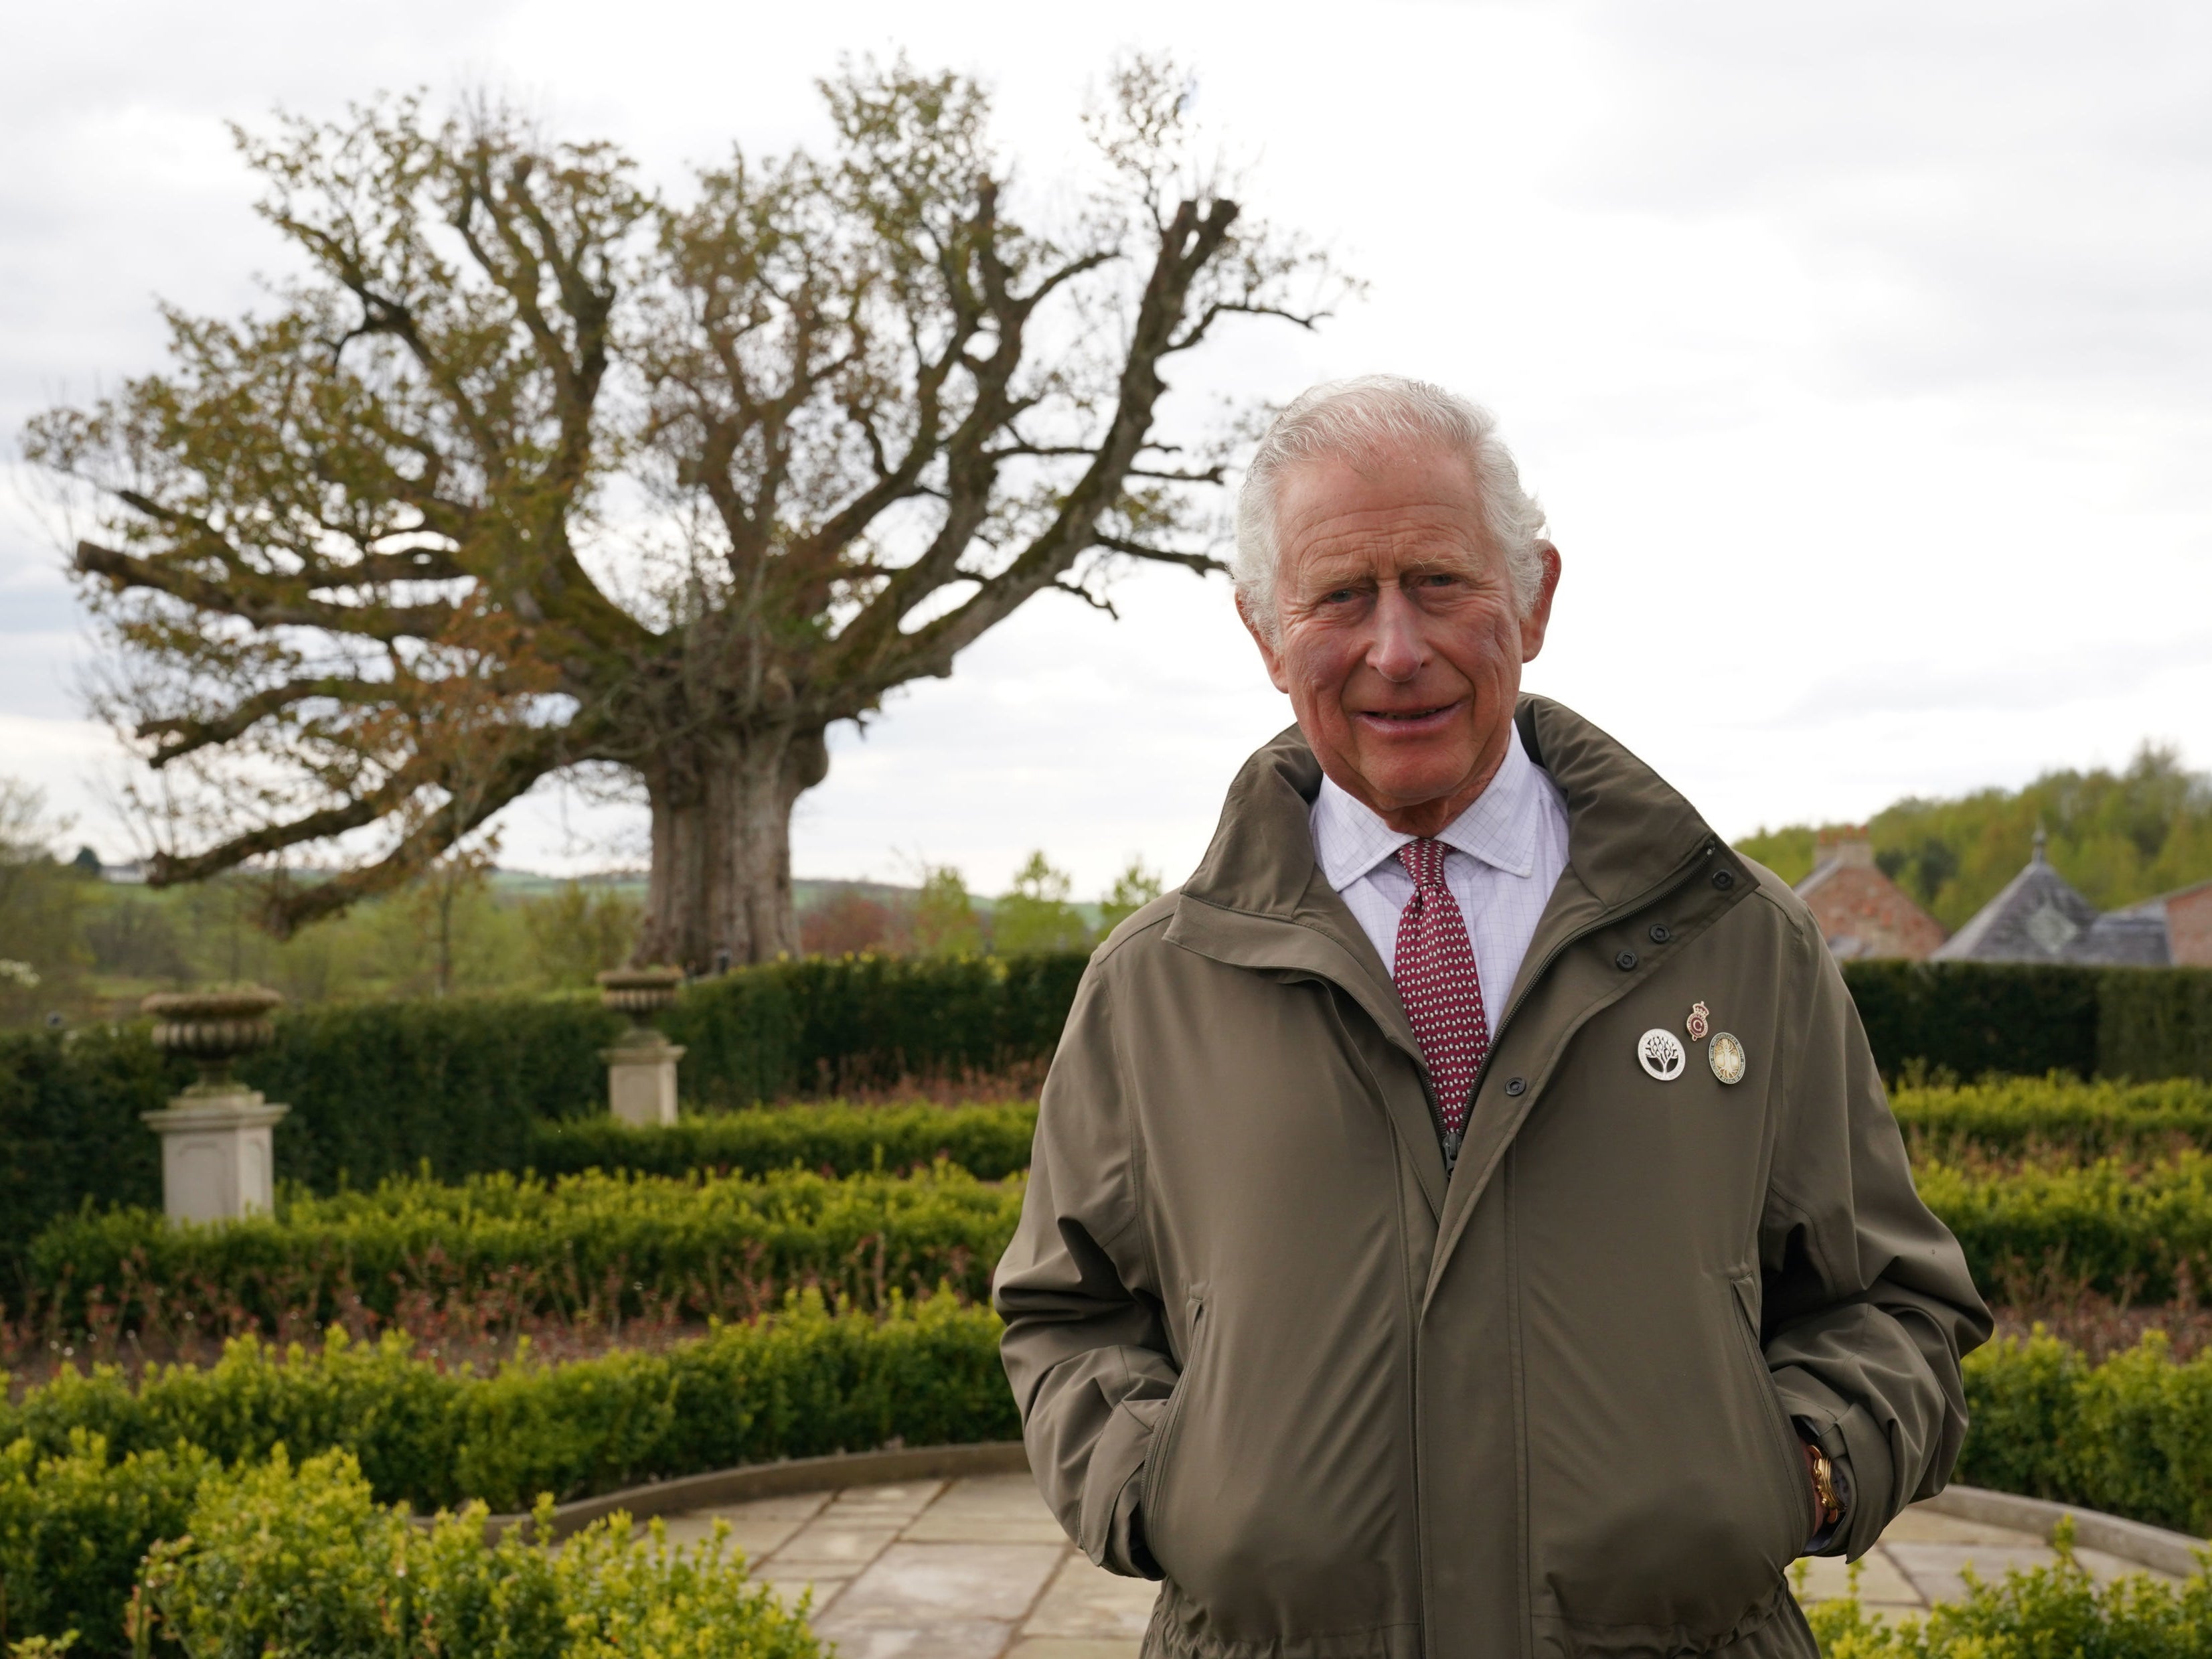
(1340, 596)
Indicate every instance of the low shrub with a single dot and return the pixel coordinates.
(304, 1560)
(2142, 1233)
(610, 1246)
(2132, 1436)
(2010, 1116)
(73, 1524)
(804, 1383)
(168, 1550)
(989, 1141)
(2053, 1610)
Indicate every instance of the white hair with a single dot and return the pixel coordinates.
(1364, 418)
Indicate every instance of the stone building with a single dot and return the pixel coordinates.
(1861, 912)
(2186, 914)
(2039, 917)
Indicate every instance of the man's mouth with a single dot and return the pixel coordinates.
(1409, 719)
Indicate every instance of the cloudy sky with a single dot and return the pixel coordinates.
(1862, 357)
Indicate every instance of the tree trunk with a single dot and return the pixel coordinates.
(721, 890)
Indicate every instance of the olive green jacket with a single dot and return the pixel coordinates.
(1349, 1403)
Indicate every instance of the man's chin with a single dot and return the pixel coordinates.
(1402, 788)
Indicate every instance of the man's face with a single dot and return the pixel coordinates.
(1399, 646)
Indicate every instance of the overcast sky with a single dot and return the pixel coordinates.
(1862, 357)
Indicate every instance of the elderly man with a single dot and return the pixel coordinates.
(1466, 1219)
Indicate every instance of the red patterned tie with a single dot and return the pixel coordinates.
(1438, 983)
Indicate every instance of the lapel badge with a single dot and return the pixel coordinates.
(1660, 1055)
(1725, 1055)
(1700, 1021)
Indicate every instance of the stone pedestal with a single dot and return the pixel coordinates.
(218, 1161)
(642, 1080)
(641, 1064)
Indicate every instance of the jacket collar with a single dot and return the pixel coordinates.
(1628, 829)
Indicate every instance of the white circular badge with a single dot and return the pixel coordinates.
(1661, 1053)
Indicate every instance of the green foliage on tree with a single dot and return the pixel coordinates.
(2118, 836)
(579, 931)
(944, 920)
(1132, 890)
(1035, 915)
(41, 951)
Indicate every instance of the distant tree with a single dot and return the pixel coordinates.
(1035, 915)
(2118, 836)
(944, 920)
(849, 922)
(1132, 890)
(133, 937)
(532, 471)
(87, 862)
(40, 954)
(579, 931)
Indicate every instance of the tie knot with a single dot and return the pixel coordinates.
(1425, 862)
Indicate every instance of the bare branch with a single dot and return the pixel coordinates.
(1204, 564)
(1097, 601)
(263, 610)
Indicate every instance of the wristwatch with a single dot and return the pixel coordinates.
(1824, 1487)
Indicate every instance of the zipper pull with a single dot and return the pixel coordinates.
(1452, 1137)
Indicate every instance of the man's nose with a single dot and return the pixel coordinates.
(1397, 650)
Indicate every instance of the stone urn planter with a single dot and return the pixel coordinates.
(218, 1161)
(642, 1064)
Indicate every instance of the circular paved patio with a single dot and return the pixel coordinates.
(977, 1569)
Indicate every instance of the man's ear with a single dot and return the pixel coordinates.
(1268, 654)
(1539, 619)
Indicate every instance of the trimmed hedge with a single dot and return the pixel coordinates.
(611, 1246)
(271, 1558)
(462, 1085)
(2026, 1019)
(2010, 1115)
(2155, 1022)
(2132, 1436)
(2143, 1233)
(1970, 1017)
(377, 1088)
(990, 1142)
(69, 1129)
(803, 1383)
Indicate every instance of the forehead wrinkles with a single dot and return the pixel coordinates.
(1381, 543)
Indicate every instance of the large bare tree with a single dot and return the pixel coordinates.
(531, 470)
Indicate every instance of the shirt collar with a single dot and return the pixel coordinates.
(1498, 827)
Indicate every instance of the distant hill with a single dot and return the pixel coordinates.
(2118, 836)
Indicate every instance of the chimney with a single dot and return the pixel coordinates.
(1845, 844)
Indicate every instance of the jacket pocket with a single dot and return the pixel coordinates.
(1664, 1507)
(1157, 1459)
(1795, 1486)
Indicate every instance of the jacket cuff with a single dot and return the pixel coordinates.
(1859, 1451)
(1111, 1531)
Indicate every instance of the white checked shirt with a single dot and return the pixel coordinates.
(1506, 853)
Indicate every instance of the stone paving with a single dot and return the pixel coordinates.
(977, 1569)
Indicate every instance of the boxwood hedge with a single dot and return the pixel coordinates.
(597, 1246)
